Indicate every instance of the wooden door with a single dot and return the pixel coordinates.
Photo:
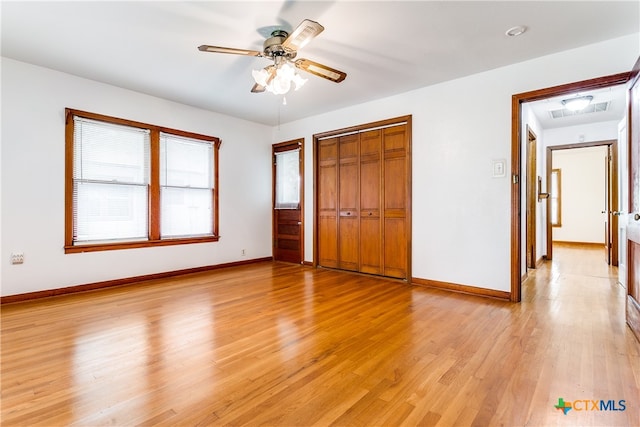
(532, 181)
(396, 179)
(348, 203)
(370, 202)
(633, 221)
(614, 200)
(327, 202)
(607, 206)
(611, 203)
(288, 184)
(623, 204)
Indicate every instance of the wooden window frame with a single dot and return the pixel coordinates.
(154, 238)
(558, 198)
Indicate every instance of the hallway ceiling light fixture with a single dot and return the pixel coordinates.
(578, 103)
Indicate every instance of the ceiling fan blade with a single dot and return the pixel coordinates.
(302, 35)
(231, 50)
(257, 88)
(321, 70)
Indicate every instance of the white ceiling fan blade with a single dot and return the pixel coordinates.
(302, 35)
(321, 70)
(230, 50)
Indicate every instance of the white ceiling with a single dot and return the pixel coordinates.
(386, 48)
(615, 96)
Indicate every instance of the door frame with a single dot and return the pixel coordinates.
(532, 198)
(613, 197)
(299, 142)
(516, 167)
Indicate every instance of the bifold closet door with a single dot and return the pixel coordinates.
(395, 201)
(348, 206)
(371, 202)
(363, 186)
(327, 199)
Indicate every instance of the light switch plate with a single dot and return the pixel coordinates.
(499, 168)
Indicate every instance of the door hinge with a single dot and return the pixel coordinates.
(516, 179)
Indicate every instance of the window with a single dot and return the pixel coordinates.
(186, 187)
(131, 184)
(555, 198)
(287, 186)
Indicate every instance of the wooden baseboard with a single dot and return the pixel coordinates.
(308, 263)
(465, 289)
(120, 282)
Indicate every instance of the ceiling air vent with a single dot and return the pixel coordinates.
(596, 107)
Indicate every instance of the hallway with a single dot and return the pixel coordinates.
(585, 342)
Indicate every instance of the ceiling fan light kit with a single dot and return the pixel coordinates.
(282, 48)
(280, 83)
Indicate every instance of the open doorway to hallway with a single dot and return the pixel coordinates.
(583, 198)
(541, 111)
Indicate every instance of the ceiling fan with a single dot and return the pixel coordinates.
(282, 48)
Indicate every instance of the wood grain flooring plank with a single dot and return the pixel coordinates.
(282, 344)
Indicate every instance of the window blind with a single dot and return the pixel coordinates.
(110, 182)
(287, 179)
(186, 187)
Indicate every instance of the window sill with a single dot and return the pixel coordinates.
(136, 245)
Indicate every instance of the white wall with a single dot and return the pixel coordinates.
(32, 169)
(585, 202)
(582, 194)
(602, 131)
(461, 215)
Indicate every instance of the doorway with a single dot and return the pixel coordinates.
(288, 201)
(516, 162)
(608, 199)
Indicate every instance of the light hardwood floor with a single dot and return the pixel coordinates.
(279, 344)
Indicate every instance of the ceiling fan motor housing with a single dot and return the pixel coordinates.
(273, 46)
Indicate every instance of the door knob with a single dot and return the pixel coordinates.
(637, 217)
(617, 213)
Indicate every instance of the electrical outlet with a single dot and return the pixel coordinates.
(17, 258)
(243, 252)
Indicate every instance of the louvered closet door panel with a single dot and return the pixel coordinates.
(370, 202)
(328, 203)
(395, 202)
(348, 223)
